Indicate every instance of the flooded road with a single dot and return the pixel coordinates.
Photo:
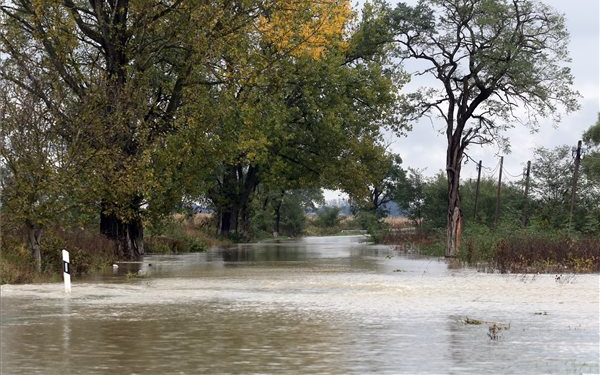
(327, 305)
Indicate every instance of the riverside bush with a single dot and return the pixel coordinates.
(178, 235)
(540, 252)
(88, 251)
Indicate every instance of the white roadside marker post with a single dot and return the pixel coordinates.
(66, 271)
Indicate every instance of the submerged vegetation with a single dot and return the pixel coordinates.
(510, 250)
(89, 252)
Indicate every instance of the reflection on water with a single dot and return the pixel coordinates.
(317, 305)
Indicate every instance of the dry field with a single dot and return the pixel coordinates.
(398, 222)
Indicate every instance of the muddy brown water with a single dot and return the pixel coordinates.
(326, 305)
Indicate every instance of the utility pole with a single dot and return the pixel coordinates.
(477, 189)
(574, 185)
(525, 219)
(498, 193)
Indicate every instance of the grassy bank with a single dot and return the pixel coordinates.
(89, 252)
(92, 252)
(183, 234)
(508, 249)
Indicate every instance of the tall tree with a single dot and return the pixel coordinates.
(41, 179)
(296, 122)
(126, 66)
(496, 63)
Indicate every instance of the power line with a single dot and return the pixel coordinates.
(492, 173)
(512, 175)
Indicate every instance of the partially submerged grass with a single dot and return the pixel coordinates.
(183, 234)
(474, 322)
(507, 249)
(89, 252)
(494, 328)
(538, 253)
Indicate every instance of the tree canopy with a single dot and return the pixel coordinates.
(156, 102)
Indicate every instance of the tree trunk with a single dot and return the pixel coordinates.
(233, 198)
(276, 228)
(245, 218)
(34, 235)
(454, 229)
(127, 236)
(227, 221)
(247, 185)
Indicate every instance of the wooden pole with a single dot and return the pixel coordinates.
(574, 184)
(525, 219)
(498, 193)
(477, 189)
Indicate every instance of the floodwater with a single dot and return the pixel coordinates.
(327, 305)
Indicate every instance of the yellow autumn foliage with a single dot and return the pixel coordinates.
(306, 27)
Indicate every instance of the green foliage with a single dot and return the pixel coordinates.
(591, 223)
(547, 206)
(88, 250)
(510, 248)
(293, 217)
(511, 202)
(592, 135)
(591, 159)
(370, 222)
(410, 195)
(177, 244)
(175, 236)
(41, 178)
(479, 241)
(328, 217)
(309, 124)
(528, 71)
(16, 266)
(552, 177)
(436, 246)
(137, 105)
(378, 181)
(435, 206)
(372, 36)
(289, 207)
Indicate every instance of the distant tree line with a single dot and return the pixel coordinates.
(546, 207)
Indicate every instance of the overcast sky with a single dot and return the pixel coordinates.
(424, 148)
